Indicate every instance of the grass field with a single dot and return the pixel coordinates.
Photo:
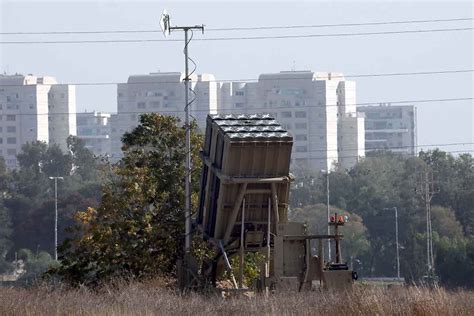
(154, 298)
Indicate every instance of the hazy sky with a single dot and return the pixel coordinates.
(438, 122)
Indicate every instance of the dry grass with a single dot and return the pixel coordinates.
(154, 298)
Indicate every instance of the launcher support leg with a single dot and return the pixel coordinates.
(235, 212)
(275, 204)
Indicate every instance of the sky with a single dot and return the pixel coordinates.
(438, 122)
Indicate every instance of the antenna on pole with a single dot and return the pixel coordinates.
(166, 28)
(165, 23)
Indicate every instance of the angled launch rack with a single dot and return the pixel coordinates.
(243, 205)
(245, 157)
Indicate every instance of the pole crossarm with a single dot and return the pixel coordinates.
(187, 28)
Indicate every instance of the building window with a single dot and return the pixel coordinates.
(300, 125)
(300, 114)
(301, 137)
(239, 93)
(155, 104)
(239, 105)
(11, 140)
(301, 149)
(11, 129)
(285, 114)
(1, 140)
(141, 105)
(11, 152)
(11, 118)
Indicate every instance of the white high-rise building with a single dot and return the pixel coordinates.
(390, 127)
(93, 128)
(161, 93)
(34, 108)
(318, 109)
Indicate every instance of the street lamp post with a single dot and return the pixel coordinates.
(56, 215)
(396, 238)
(328, 213)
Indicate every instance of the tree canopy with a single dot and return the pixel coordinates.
(377, 184)
(137, 229)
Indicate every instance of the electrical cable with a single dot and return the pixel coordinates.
(162, 111)
(245, 28)
(250, 80)
(391, 153)
(240, 38)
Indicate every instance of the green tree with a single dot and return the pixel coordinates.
(5, 221)
(35, 265)
(5, 233)
(138, 227)
(454, 179)
(83, 161)
(30, 199)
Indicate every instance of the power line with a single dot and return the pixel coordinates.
(268, 108)
(255, 28)
(248, 80)
(247, 28)
(369, 157)
(242, 37)
(393, 148)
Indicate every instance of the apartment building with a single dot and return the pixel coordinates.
(390, 127)
(161, 93)
(318, 109)
(34, 108)
(93, 128)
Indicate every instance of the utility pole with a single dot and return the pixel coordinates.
(56, 215)
(396, 239)
(427, 190)
(166, 28)
(328, 213)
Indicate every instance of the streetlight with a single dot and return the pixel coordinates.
(56, 215)
(396, 238)
(328, 212)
